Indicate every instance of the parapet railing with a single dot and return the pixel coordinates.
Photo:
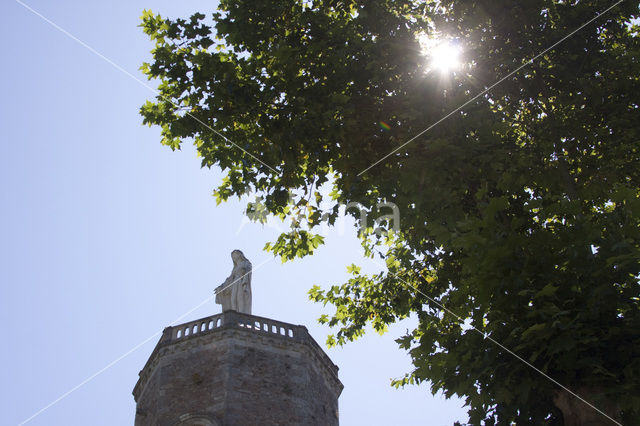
(232, 319)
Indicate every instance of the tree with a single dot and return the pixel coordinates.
(520, 211)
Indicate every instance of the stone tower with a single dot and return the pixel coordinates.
(237, 369)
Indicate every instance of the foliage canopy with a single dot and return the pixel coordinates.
(519, 213)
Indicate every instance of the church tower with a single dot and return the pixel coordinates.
(235, 368)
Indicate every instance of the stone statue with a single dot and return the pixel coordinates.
(234, 294)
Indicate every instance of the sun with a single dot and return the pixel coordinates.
(444, 55)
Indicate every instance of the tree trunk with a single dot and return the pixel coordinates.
(577, 413)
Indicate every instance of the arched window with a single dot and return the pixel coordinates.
(196, 420)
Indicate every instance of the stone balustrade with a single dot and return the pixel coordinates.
(232, 319)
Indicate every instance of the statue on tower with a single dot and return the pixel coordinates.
(234, 294)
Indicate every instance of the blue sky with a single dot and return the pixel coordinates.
(107, 236)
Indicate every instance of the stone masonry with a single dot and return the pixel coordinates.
(237, 369)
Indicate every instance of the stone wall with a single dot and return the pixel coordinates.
(237, 369)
